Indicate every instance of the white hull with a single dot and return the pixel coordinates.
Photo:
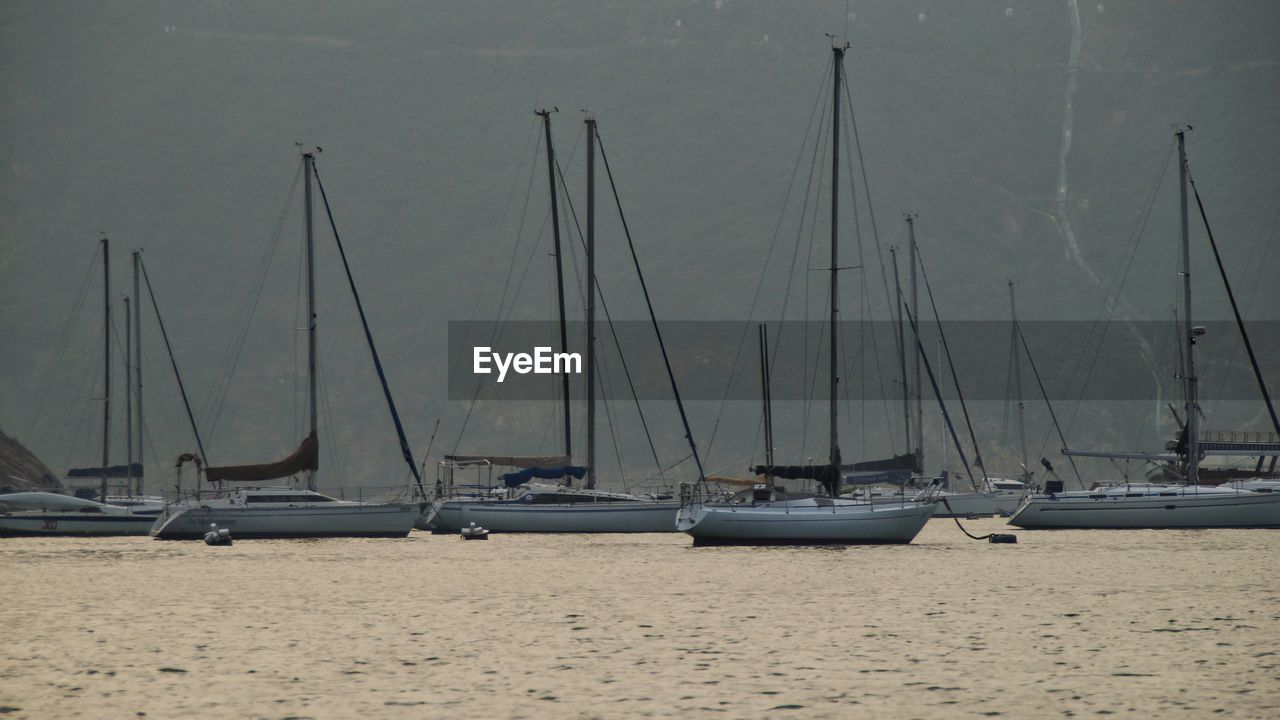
(185, 522)
(37, 522)
(1175, 508)
(977, 504)
(804, 522)
(640, 516)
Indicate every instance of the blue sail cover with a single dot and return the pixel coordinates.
(520, 477)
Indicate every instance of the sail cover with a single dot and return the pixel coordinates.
(115, 471)
(306, 457)
(515, 461)
(825, 474)
(520, 477)
(906, 461)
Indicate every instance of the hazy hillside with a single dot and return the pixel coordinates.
(21, 470)
(170, 126)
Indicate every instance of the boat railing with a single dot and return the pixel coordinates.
(1238, 436)
(696, 494)
(353, 493)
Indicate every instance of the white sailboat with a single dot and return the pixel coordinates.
(45, 513)
(767, 515)
(522, 506)
(286, 512)
(131, 513)
(1160, 506)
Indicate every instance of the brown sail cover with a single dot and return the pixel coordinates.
(306, 457)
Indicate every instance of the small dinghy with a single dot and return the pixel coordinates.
(474, 532)
(217, 535)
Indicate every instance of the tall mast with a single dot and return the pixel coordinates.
(835, 477)
(106, 366)
(555, 232)
(308, 167)
(137, 363)
(916, 387)
(902, 351)
(128, 398)
(1190, 380)
(766, 395)
(1017, 388)
(591, 303)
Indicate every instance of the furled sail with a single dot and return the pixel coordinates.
(516, 461)
(115, 471)
(520, 477)
(306, 457)
(825, 474)
(906, 461)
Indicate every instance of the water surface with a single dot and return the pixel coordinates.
(1065, 623)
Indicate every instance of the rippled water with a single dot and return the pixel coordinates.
(1064, 623)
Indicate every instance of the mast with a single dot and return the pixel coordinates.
(128, 398)
(902, 351)
(106, 366)
(308, 163)
(766, 395)
(591, 303)
(1189, 378)
(137, 364)
(917, 389)
(834, 487)
(1017, 389)
(555, 232)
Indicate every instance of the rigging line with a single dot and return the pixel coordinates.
(866, 190)
(653, 317)
(298, 301)
(1269, 225)
(186, 403)
(1117, 285)
(608, 417)
(46, 384)
(955, 377)
(810, 385)
(1235, 309)
(368, 336)
(852, 119)
(937, 391)
(496, 333)
(496, 330)
(326, 412)
(1044, 394)
(573, 215)
(795, 170)
(524, 212)
(86, 390)
(226, 370)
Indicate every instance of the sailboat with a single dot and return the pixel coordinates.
(287, 512)
(1162, 505)
(130, 513)
(768, 515)
(994, 495)
(523, 505)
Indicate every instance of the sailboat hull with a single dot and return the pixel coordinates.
(450, 516)
(371, 521)
(804, 522)
(38, 523)
(1175, 509)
